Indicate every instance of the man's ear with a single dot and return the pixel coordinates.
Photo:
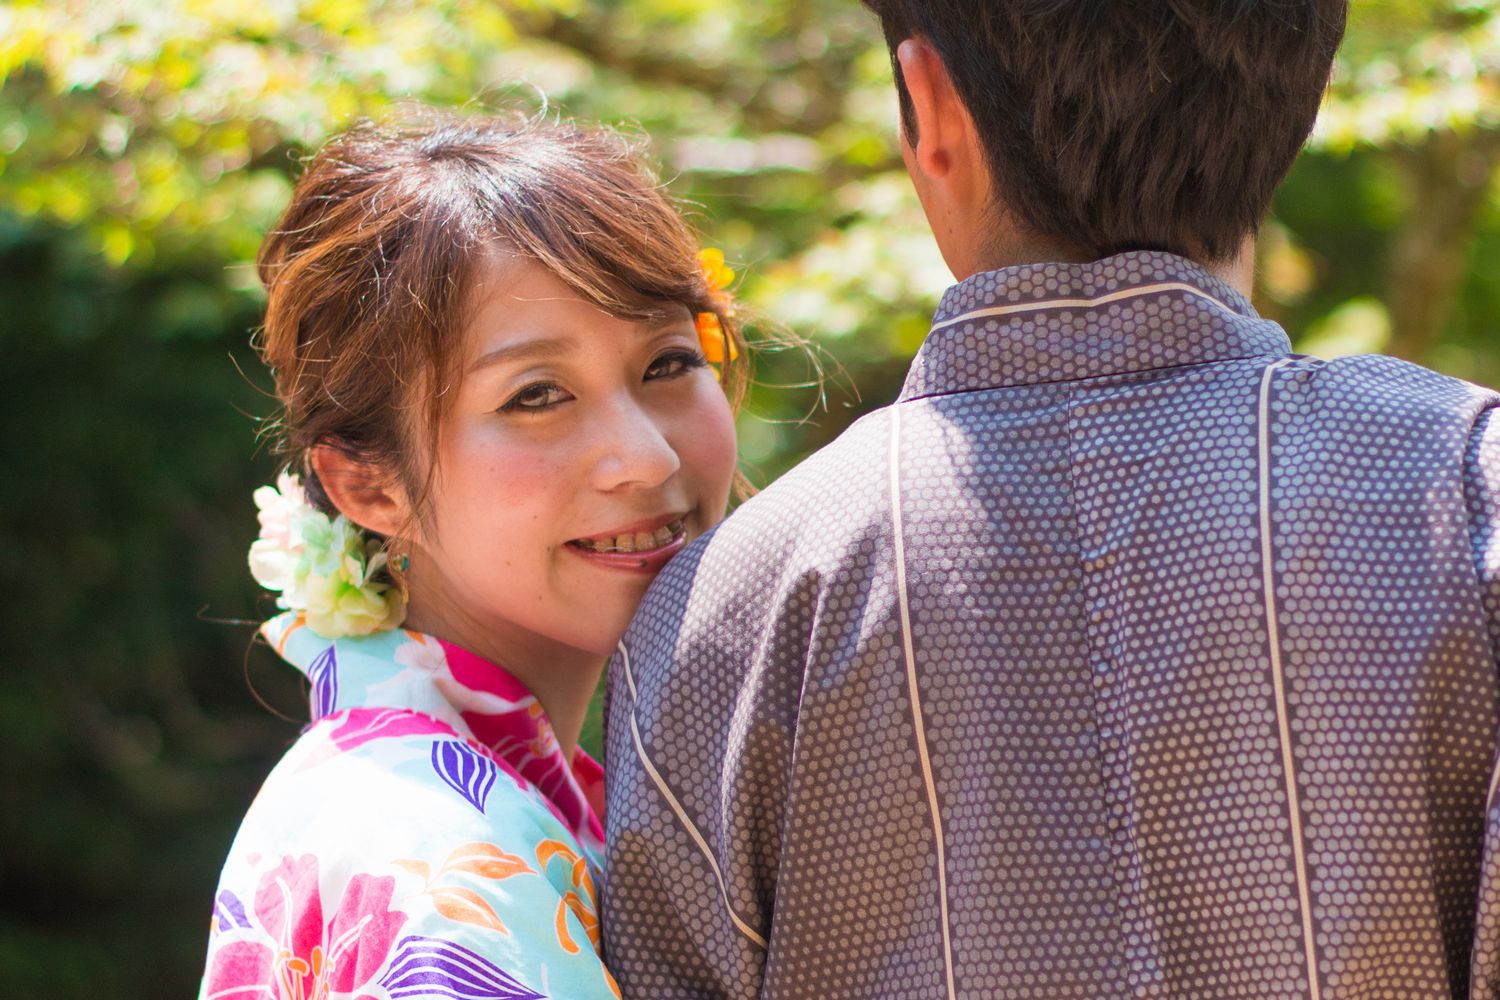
(363, 492)
(942, 126)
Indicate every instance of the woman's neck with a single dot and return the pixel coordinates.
(565, 694)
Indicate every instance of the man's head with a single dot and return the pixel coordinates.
(1110, 125)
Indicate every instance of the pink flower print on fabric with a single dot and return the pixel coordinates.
(240, 970)
(508, 719)
(300, 956)
(471, 685)
(362, 725)
(355, 727)
(589, 775)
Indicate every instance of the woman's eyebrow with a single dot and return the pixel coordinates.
(667, 318)
(526, 350)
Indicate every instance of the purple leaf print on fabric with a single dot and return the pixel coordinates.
(425, 967)
(230, 911)
(324, 673)
(469, 773)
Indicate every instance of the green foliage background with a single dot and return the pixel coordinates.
(145, 146)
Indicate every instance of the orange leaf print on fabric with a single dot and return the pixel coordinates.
(563, 937)
(467, 907)
(584, 884)
(586, 915)
(549, 849)
(581, 901)
(417, 868)
(486, 861)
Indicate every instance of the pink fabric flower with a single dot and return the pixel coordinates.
(361, 725)
(240, 970)
(303, 956)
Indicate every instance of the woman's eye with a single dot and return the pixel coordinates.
(534, 398)
(675, 363)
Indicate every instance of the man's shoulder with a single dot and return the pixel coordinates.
(1377, 424)
(1378, 384)
(833, 490)
(800, 528)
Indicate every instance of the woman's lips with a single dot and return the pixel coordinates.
(642, 549)
(649, 561)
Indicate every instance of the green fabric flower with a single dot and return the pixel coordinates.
(323, 567)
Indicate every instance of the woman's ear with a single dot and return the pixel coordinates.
(363, 492)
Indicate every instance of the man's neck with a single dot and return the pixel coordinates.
(1238, 272)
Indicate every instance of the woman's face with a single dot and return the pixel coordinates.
(582, 451)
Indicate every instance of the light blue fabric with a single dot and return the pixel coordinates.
(399, 849)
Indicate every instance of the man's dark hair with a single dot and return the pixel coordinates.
(1132, 124)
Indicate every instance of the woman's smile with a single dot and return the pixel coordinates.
(639, 547)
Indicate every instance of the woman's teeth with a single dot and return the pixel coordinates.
(640, 541)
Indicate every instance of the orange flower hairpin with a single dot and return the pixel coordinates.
(711, 336)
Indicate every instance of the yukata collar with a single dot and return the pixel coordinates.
(1039, 323)
(481, 701)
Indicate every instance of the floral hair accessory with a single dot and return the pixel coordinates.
(711, 336)
(718, 276)
(326, 568)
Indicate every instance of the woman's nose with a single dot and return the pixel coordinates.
(635, 451)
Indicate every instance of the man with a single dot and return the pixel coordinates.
(1127, 654)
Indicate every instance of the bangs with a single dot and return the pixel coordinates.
(580, 203)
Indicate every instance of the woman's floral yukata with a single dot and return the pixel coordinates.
(425, 837)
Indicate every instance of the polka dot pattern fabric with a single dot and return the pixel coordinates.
(1183, 685)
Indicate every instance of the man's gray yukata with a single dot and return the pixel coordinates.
(1127, 655)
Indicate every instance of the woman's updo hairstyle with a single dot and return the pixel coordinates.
(368, 269)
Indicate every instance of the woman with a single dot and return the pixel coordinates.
(503, 367)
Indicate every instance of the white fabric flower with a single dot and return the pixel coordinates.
(273, 556)
(324, 567)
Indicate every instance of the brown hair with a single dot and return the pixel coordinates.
(1132, 126)
(366, 272)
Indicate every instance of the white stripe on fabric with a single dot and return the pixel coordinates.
(682, 816)
(1489, 800)
(1273, 631)
(916, 696)
(1101, 300)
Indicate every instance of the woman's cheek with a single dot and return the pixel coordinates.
(505, 482)
(712, 455)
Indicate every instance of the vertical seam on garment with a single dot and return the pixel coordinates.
(1118, 856)
(1278, 681)
(1478, 428)
(909, 652)
(1489, 800)
(677, 808)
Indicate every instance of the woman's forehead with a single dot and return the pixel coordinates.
(521, 308)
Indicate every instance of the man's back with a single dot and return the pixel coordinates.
(1127, 655)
